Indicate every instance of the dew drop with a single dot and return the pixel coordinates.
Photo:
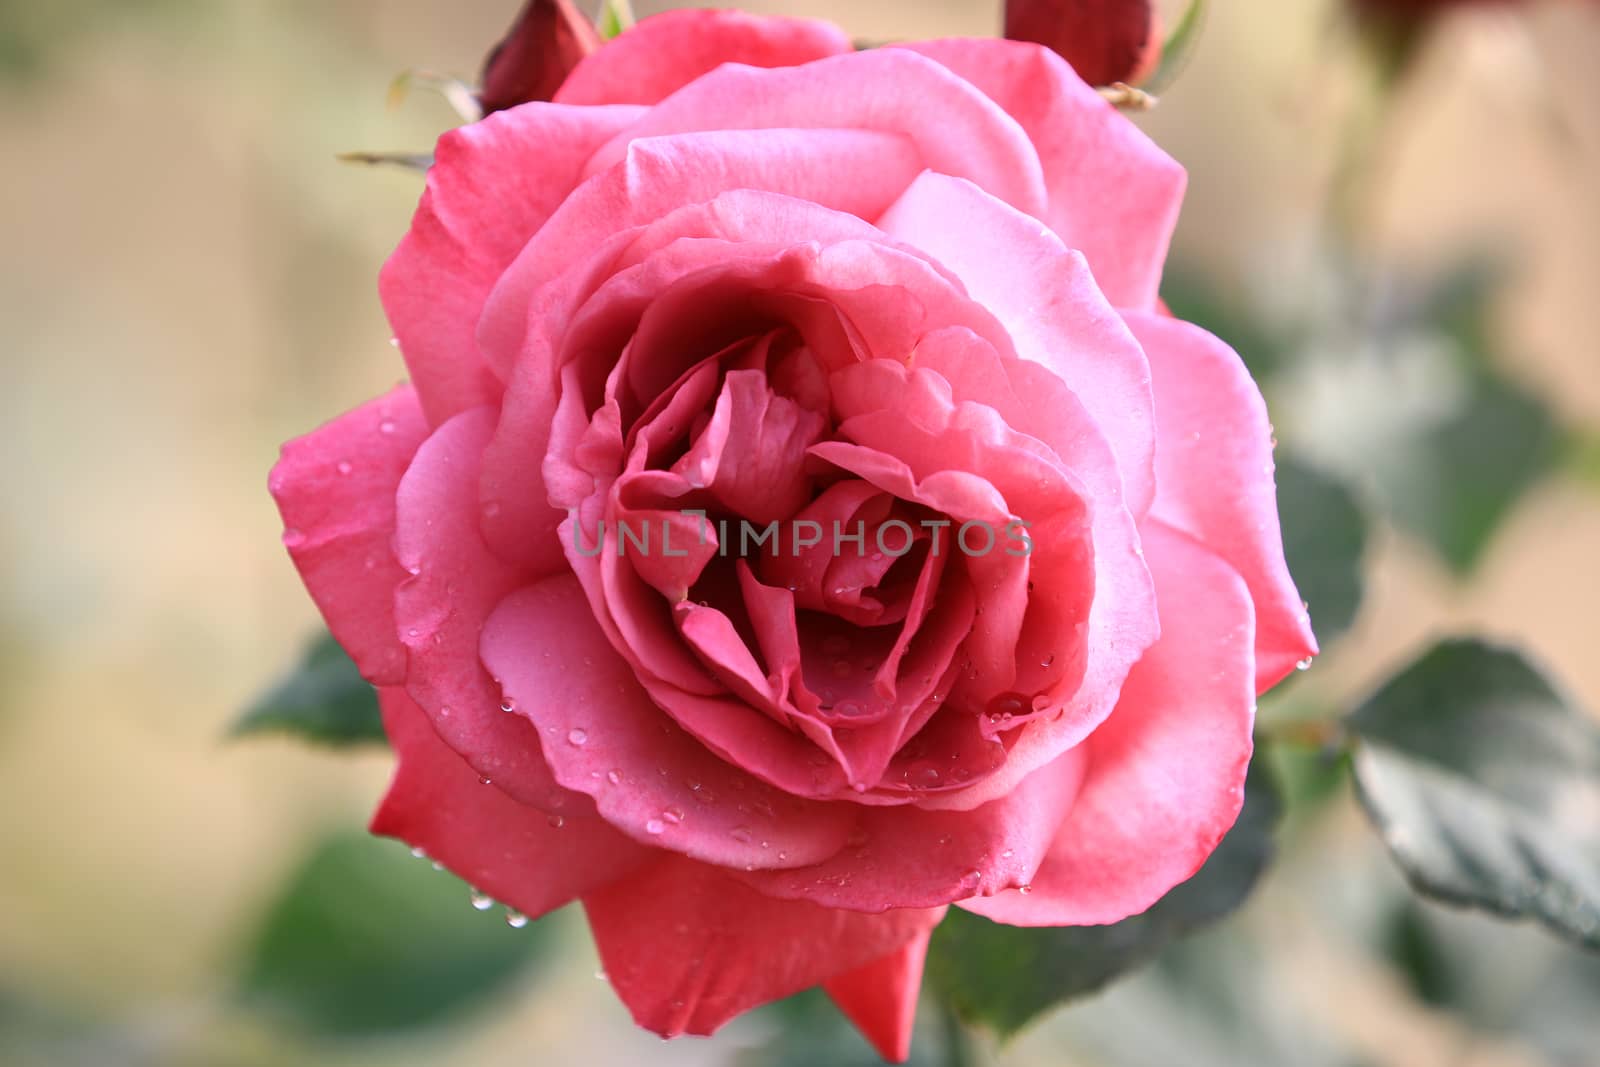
(577, 737)
(1007, 706)
(507, 707)
(971, 879)
(484, 779)
(438, 866)
(614, 776)
(1025, 889)
(556, 822)
(515, 919)
(481, 901)
(419, 853)
(654, 827)
(1305, 664)
(740, 834)
(344, 467)
(672, 816)
(386, 426)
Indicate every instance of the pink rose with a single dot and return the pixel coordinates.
(875, 291)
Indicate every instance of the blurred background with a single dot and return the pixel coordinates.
(187, 279)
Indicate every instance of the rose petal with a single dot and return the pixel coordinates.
(440, 611)
(664, 52)
(1214, 478)
(1113, 194)
(335, 489)
(956, 128)
(603, 736)
(519, 855)
(492, 184)
(687, 948)
(881, 997)
(1045, 297)
(1165, 775)
(913, 857)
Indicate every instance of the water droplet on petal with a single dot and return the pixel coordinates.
(556, 822)
(654, 827)
(419, 853)
(386, 426)
(507, 706)
(1024, 889)
(740, 834)
(515, 919)
(344, 467)
(971, 879)
(484, 779)
(1305, 664)
(672, 816)
(614, 776)
(481, 901)
(577, 737)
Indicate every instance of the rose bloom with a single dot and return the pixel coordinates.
(739, 268)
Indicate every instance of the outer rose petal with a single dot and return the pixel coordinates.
(603, 736)
(956, 128)
(1114, 195)
(1214, 477)
(687, 948)
(517, 854)
(881, 997)
(492, 185)
(1166, 770)
(440, 610)
(665, 52)
(335, 488)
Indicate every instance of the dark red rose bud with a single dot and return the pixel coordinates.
(1106, 41)
(535, 57)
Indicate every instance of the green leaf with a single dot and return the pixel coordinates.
(1178, 48)
(363, 939)
(1324, 540)
(1485, 786)
(1454, 482)
(1005, 976)
(323, 699)
(615, 17)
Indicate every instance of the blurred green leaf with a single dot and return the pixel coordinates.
(323, 698)
(1498, 978)
(1324, 540)
(1178, 48)
(1485, 786)
(1005, 976)
(363, 940)
(1454, 482)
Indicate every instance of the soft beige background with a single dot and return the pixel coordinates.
(186, 279)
